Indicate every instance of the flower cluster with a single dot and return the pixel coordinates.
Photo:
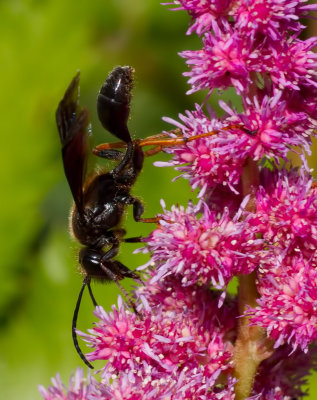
(179, 350)
(287, 306)
(204, 249)
(254, 221)
(265, 129)
(286, 217)
(260, 37)
(79, 388)
(159, 351)
(286, 211)
(270, 18)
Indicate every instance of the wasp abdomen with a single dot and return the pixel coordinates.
(113, 103)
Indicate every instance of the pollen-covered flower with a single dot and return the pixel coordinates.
(116, 338)
(80, 388)
(286, 210)
(274, 126)
(171, 296)
(268, 127)
(291, 63)
(189, 384)
(270, 18)
(180, 351)
(212, 160)
(287, 303)
(203, 12)
(224, 61)
(204, 249)
(168, 341)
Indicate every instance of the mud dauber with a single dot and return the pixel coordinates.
(100, 200)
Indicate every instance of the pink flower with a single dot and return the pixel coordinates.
(287, 303)
(224, 61)
(80, 388)
(173, 351)
(214, 160)
(270, 18)
(291, 63)
(274, 125)
(286, 213)
(276, 128)
(203, 12)
(166, 342)
(115, 338)
(202, 249)
(256, 17)
(190, 384)
(172, 297)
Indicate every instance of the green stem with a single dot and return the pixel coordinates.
(251, 346)
(246, 354)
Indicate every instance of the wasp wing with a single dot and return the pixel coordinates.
(72, 122)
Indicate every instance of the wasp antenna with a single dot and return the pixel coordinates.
(74, 324)
(91, 294)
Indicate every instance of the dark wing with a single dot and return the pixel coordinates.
(72, 123)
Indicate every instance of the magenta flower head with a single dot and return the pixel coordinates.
(286, 212)
(173, 349)
(203, 249)
(79, 388)
(266, 18)
(270, 18)
(228, 305)
(292, 63)
(203, 12)
(223, 61)
(287, 303)
(212, 160)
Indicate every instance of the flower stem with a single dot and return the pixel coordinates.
(246, 357)
(251, 347)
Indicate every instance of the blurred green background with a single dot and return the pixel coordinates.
(43, 44)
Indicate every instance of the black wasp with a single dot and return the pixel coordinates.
(100, 200)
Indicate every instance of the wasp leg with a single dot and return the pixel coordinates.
(136, 239)
(164, 139)
(111, 154)
(116, 271)
(113, 251)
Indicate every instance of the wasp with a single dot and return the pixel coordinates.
(100, 200)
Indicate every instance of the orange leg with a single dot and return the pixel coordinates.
(141, 142)
(159, 142)
(163, 140)
(154, 220)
